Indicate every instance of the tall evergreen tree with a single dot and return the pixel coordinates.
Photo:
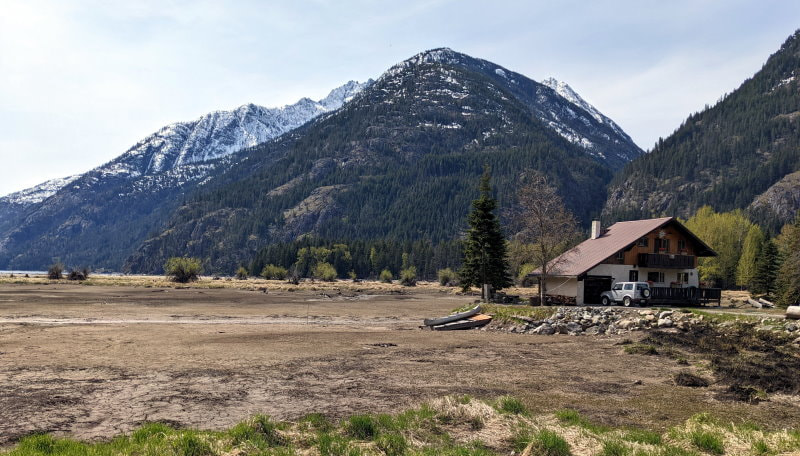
(788, 279)
(746, 269)
(485, 259)
(766, 269)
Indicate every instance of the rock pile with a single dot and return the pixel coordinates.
(604, 320)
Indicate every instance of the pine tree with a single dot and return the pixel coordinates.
(788, 279)
(485, 259)
(746, 269)
(766, 269)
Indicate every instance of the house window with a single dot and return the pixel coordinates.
(662, 245)
(633, 276)
(681, 245)
(657, 277)
(683, 277)
(620, 256)
(643, 242)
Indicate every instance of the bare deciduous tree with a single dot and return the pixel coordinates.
(542, 220)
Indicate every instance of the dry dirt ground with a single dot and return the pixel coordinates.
(94, 361)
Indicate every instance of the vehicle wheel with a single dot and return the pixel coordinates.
(626, 301)
(646, 293)
(605, 301)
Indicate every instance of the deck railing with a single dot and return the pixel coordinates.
(663, 260)
(690, 295)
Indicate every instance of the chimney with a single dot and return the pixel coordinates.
(595, 229)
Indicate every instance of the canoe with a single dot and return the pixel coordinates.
(476, 321)
(451, 318)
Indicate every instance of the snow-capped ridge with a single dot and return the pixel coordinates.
(38, 193)
(566, 92)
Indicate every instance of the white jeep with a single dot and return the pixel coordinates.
(627, 293)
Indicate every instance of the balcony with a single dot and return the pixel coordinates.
(665, 260)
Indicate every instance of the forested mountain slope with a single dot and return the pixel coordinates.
(400, 161)
(725, 156)
(96, 218)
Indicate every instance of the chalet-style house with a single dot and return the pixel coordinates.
(661, 251)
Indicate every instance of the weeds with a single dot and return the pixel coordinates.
(573, 418)
(511, 405)
(707, 441)
(641, 349)
(643, 436)
(362, 427)
(614, 448)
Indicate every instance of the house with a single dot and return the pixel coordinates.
(661, 251)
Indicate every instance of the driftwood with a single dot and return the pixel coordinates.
(793, 312)
(765, 303)
(754, 303)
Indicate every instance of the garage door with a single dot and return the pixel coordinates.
(593, 286)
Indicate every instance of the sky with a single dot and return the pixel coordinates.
(81, 81)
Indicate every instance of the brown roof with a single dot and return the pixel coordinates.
(591, 252)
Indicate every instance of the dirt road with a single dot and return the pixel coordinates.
(92, 362)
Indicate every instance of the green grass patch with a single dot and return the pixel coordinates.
(392, 444)
(363, 427)
(549, 443)
(511, 405)
(573, 418)
(760, 447)
(643, 436)
(614, 448)
(707, 441)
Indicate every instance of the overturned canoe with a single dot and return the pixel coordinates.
(451, 318)
(475, 321)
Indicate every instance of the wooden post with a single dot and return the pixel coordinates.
(487, 292)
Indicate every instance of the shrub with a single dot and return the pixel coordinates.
(182, 269)
(78, 274)
(273, 272)
(447, 278)
(408, 276)
(386, 276)
(641, 349)
(150, 431)
(55, 271)
(325, 271)
(707, 441)
(362, 427)
(522, 277)
(242, 273)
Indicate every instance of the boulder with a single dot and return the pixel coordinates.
(665, 314)
(545, 329)
(573, 327)
(646, 312)
(791, 327)
(626, 324)
(665, 323)
(793, 312)
(592, 330)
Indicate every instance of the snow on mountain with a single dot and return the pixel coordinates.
(221, 133)
(38, 193)
(563, 89)
(163, 158)
(553, 102)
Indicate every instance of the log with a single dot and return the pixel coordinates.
(765, 303)
(754, 303)
(793, 312)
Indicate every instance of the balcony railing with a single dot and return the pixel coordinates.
(664, 260)
(691, 295)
